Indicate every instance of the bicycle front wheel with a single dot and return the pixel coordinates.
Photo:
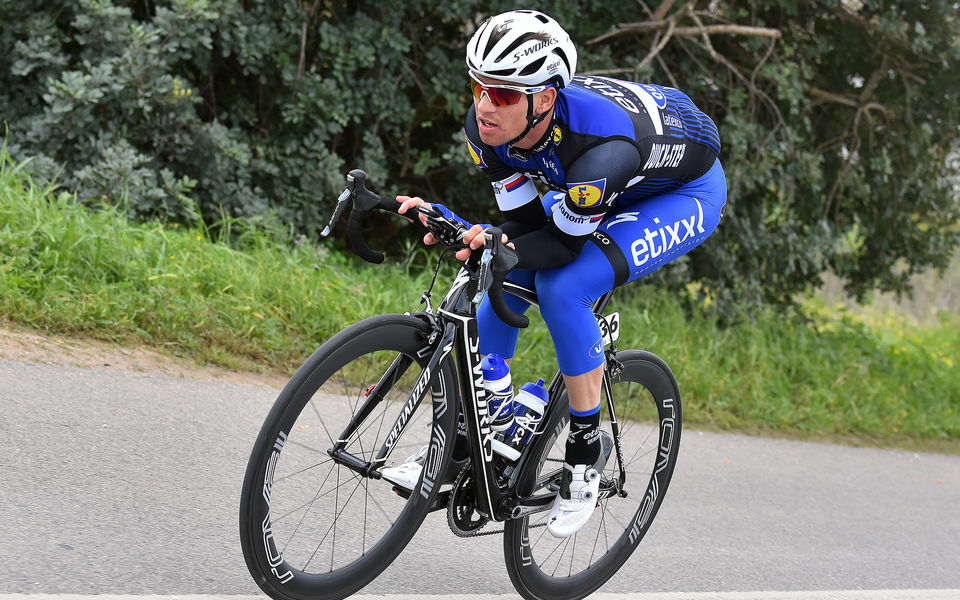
(311, 526)
(541, 567)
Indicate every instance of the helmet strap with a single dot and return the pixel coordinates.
(532, 120)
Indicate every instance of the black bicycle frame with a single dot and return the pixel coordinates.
(456, 324)
(494, 497)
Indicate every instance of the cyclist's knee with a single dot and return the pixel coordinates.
(560, 295)
(585, 279)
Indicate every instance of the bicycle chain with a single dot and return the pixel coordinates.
(454, 520)
(483, 533)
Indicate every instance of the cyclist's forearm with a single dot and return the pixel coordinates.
(515, 229)
(542, 249)
(530, 214)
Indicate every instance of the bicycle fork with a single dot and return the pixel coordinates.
(376, 394)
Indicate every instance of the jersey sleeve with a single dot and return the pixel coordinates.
(593, 183)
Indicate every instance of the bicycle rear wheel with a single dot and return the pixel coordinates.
(311, 527)
(542, 567)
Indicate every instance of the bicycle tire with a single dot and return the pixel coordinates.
(644, 389)
(288, 532)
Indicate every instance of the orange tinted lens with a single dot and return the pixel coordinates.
(498, 96)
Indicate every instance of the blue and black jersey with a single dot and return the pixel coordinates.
(610, 144)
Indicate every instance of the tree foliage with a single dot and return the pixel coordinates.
(838, 118)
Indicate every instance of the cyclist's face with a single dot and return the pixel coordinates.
(500, 124)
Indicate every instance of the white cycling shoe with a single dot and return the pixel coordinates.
(574, 505)
(579, 487)
(407, 474)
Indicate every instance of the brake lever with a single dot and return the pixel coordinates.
(497, 260)
(485, 277)
(342, 201)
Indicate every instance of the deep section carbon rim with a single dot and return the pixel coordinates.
(313, 527)
(648, 407)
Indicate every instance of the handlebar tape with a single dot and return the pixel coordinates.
(364, 203)
(504, 260)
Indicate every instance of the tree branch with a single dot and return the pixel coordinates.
(822, 96)
(301, 64)
(657, 47)
(705, 36)
(825, 96)
(662, 10)
(303, 52)
(648, 26)
(730, 29)
(663, 65)
(756, 69)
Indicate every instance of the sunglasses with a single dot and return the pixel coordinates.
(503, 95)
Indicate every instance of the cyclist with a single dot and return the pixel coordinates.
(635, 183)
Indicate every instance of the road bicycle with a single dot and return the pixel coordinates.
(318, 520)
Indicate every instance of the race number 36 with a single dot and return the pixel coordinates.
(609, 327)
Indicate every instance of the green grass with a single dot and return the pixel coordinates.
(254, 302)
(257, 303)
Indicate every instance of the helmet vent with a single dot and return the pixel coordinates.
(523, 39)
(563, 56)
(533, 67)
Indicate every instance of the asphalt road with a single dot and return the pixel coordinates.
(118, 483)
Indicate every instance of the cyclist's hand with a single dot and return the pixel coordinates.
(474, 238)
(408, 203)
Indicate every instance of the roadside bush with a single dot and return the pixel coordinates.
(837, 118)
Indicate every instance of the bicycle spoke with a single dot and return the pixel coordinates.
(573, 552)
(366, 499)
(277, 480)
(636, 455)
(563, 543)
(540, 522)
(390, 518)
(295, 442)
(333, 525)
(336, 503)
(601, 528)
(357, 436)
(308, 505)
(378, 421)
(620, 523)
(360, 389)
(317, 497)
(313, 405)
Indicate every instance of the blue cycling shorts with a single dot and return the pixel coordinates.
(640, 237)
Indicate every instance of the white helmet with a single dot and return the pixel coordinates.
(525, 47)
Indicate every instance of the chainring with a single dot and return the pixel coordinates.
(462, 515)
